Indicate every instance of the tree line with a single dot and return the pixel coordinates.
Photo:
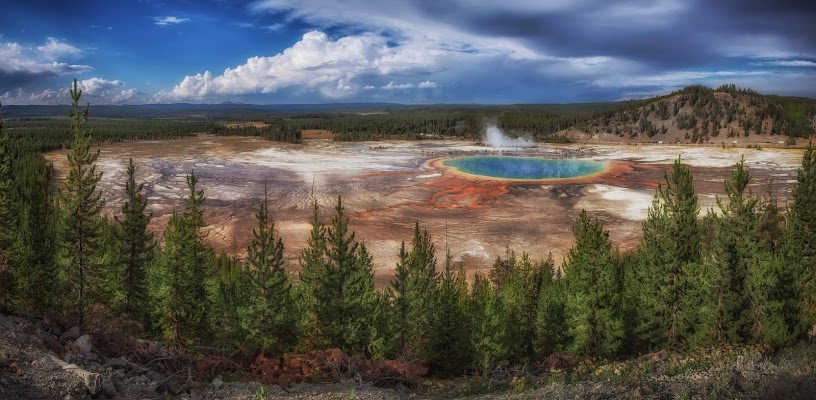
(744, 274)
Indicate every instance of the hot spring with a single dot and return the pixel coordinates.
(528, 168)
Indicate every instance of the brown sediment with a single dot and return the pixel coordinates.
(455, 191)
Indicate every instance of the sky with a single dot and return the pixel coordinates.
(400, 51)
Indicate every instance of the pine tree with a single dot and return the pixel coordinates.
(135, 247)
(415, 284)
(732, 252)
(175, 300)
(35, 268)
(669, 253)
(312, 265)
(520, 299)
(7, 221)
(489, 334)
(81, 203)
(185, 273)
(382, 330)
(594, 291)
(229, 295)
(270, 318)
(342, 288)
(550, 324)
(449, 342)
(201, 257)
(800, 239)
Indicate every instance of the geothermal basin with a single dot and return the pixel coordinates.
(475, 201)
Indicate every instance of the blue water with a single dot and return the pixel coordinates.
(524, 167)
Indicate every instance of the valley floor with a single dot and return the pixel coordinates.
(389, 185)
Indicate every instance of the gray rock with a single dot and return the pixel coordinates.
(83, 344)
(173, 386)
(109, 387)
(70, 334)
(217, 383)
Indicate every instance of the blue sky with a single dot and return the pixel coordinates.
(406, 51)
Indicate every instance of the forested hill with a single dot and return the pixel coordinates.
(698, 114)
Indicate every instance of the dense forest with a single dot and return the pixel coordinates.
(744, 274)
(695, 114)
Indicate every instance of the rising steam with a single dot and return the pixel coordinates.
(495, 137)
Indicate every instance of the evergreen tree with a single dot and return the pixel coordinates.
(341, 286)
(201, 256)
(230, 294)
(669, 253)
(489, 334)
(449, 342)
(35, 268)
(269, 320)
(81, 203)
(135, 247)
(175, 300)
(415, 285)
(7, 221)
(382, 331)
(594, 291)
(312, 265)
(732, 252)
(520, 299)
(550, 324)
(185, 272)
(800, 239)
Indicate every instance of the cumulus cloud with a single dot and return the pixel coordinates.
(582, 42)
(46, 97)
(99, 86)
(94, 90)
(402, 86)
(169, 20)
(20, 64)
(55, 49)
(316, 62)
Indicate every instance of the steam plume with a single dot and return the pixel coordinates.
(495, 137)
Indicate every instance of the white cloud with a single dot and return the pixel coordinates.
(677, 78)
(274, 27)
(125, 96)
(392, 86)
(402, 86)
(55, 49)
(316, 62)
(94, 90)
(99, 86)
(18, 60)
(758, 46)
(788, 63)
(47, 97)
(415, 25)
(169, 20)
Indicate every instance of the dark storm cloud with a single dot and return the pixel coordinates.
(662, 33)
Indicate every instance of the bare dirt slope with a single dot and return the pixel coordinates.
(38, 361)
